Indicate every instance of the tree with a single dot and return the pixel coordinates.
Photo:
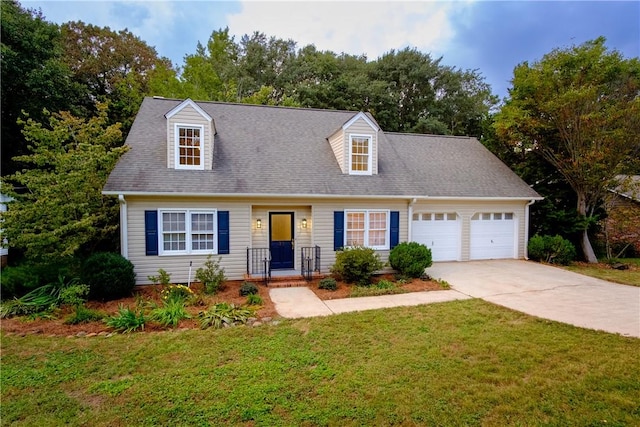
(60, 210)
(579, 109)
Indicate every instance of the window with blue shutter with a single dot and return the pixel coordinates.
(394, 229)
(223, 232)
(338, 230)
(151, 232)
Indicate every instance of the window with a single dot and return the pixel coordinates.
(189, 149)
(187, 232)
(360, 155)
(367, 228)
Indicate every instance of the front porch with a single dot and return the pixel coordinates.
(260, 268)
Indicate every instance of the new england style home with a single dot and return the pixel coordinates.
(275, 189)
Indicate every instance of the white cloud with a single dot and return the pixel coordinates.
(372, 28)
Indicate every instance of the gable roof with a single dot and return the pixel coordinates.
(629, 187)
(263, 150)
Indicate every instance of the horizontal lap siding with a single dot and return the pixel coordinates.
(234, 263)
(189, 116)
(338, 145)
(466, 210)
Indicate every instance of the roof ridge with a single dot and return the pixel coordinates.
(431, 134)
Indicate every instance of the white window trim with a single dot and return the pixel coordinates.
(176, 145)
(188, 250)
(366, 227)
(369, 170)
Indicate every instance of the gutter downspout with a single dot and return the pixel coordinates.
(526, 229)
(124, 240)
(410, 217)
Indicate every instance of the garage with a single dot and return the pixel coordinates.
(440, 232)
(493, 235)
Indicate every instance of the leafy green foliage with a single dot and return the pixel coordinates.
(18, 280)
(83, 314)
(254, 299)
(69, 162)
(410, 258)
(381, 287)
(171, 312)
(224, 314)
(42, 299)
(356, 265)
(211, 275)
(552, 249)
(127, 320)
(163, 278)
(328, 283)
(109, 276)
(177, 292)
(248, 288)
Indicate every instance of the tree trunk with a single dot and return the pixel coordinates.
(587, 249)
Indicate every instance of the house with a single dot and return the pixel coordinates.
(272, 189)
(621, 227)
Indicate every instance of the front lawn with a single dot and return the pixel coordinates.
(603, 271)
(459, 363)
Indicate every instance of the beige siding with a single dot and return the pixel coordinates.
(361, 127)
(234, 263)
(338, 146)
(302, 236)
(189, 116)
(466, 209)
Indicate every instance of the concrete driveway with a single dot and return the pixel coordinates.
(547, 292)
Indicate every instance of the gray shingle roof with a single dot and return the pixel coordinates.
(284, 151)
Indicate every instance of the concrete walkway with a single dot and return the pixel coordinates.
(294, 303)
(532, 288)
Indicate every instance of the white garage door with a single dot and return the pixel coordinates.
(492, 236)
(440, 232)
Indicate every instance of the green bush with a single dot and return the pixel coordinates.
(223, 314)
(410, 258)
(170, 313)
(254, 299)
(109, 276)
(356, 265)
(84, 315)
(552, 249)
(18, 280)
(126, 320)
(177, 293)
(73, 294)
(211, 275)
(163, 278)
(328, 283)
(248, 288)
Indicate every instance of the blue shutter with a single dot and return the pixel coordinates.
(394, 229)
(223, 232)
(338, 230)
(151, 232)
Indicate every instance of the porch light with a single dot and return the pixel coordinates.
(304, 222)
(258, 223)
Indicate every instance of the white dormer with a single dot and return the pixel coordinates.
(190, 136)
(355, 146)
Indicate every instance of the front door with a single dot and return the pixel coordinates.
(281, 240)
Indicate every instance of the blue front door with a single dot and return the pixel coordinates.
(281, 240)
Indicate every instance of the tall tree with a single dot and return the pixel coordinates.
(33, 75)
(579, 109)
(63, 211)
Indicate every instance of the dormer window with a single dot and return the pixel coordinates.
(189, 150)
(360, 154)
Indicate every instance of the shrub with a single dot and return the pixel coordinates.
(254, 299)
(170, 313)
(552, 249)
(40, 300)
(248, 288)
(109, 276)
(410, 258)
(177, 293)
(18, 280)
(73, 294)
(385, 284)
(211, 275)
(356, 265)
(328, 283)
(163, 278)
(84, 315)
(126, 320)
(223, 314)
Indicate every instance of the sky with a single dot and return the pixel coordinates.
(489, 36)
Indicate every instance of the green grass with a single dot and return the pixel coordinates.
(458, 363)
(625, 277)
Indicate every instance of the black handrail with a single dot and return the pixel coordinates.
(259, 263)
(309, 261)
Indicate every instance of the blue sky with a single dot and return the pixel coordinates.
(491, 36)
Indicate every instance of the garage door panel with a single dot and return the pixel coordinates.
(440, 232)
(492, 236)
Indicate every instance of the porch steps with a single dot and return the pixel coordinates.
(287, 283)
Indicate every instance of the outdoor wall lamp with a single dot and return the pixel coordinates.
(258, 223)
(304, 222)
